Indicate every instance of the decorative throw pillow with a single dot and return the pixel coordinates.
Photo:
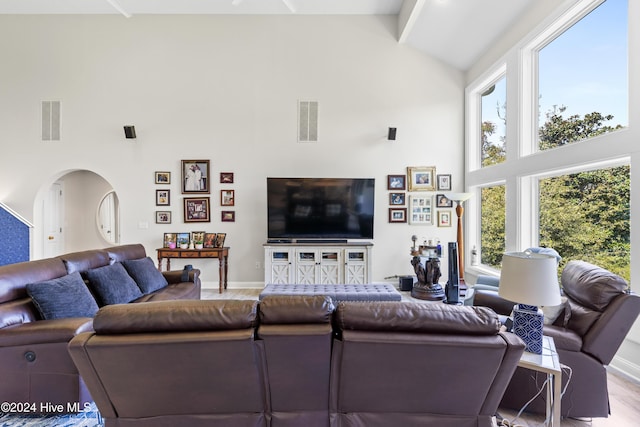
(66, 296)
(145, 274)
(112, 284)
(551, 313)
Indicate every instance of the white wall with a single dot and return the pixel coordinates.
(224, 88)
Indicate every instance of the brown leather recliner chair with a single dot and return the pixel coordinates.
(587, 334)
(416, 364)
(171, 363)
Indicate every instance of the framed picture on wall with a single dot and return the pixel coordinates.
(444, 182)
(228, 216)
(226, 177)
(196, 209)
(227, 197)
(163, 217)
(397, 199)
(421, 210)
(163, 177)
(163, 197)
(397, 214)
(195, 176)
(443, 202)
(396, 182)
(422, 178)
(444, 218)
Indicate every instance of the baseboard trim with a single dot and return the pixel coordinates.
(233, 285)
(625, 368)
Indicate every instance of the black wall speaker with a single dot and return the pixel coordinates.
(392, 134)
(130, 132)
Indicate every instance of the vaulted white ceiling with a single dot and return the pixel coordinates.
(454, 31)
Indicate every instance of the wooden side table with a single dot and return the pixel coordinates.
(548, 363)
(222, 254)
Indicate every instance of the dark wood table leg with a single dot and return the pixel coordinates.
(160, 264)
(221, 264)
(226, 269)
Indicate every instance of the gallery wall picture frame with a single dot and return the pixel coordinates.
(163, 217)
(209, 240)
(422, 178)
(227, 197)
(421, 210)
(444, 182)
(163, 197)
(162, 177)
(226, 177)
(443, 202)
(196, 209)
(169, 239)
(397, 199)
(444, 218)
(228, 216)
(195, 176)
(398, 215)
(396, 182)
(220, 238)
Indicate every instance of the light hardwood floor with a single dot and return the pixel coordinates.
(624, 394)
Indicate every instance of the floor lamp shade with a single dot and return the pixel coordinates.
(531, 280)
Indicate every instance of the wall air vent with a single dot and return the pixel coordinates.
(51, 120)
(307, 121)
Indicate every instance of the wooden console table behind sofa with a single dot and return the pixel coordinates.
(221, 253)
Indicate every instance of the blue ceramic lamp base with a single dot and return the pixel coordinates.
(527, 324)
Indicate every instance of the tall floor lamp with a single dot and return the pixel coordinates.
(460, 198)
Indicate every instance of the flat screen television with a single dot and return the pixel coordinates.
(320, 208)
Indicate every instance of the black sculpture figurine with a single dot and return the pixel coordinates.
(427, 287)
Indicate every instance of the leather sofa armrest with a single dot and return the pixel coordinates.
(45, 331)
(175, 276)
(491, 299)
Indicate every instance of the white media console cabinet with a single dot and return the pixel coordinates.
(317, 263)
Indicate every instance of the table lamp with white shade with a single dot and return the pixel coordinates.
(530, 280)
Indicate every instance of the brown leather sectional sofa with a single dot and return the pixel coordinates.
(296, 361)
(35, 366)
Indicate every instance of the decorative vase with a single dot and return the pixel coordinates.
(172, 245)
(183, 246)
(198, 245)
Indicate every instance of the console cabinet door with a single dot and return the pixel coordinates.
(330, 268)
(278, 264)
(306, 266)
(355, 266)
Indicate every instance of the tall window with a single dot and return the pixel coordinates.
(494, 123)
(582, 78)
(572, 86)
(585, 216)
(492, 225)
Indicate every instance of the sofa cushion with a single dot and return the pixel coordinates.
(112, 284)
(417, 318)
(145, 274)
(66, 296)
(176, 316)
(590, 285)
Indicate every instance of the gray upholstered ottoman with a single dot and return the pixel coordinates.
(365, 292)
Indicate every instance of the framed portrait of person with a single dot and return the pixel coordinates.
(196, 176)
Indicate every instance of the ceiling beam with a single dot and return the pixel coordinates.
(407, 18)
